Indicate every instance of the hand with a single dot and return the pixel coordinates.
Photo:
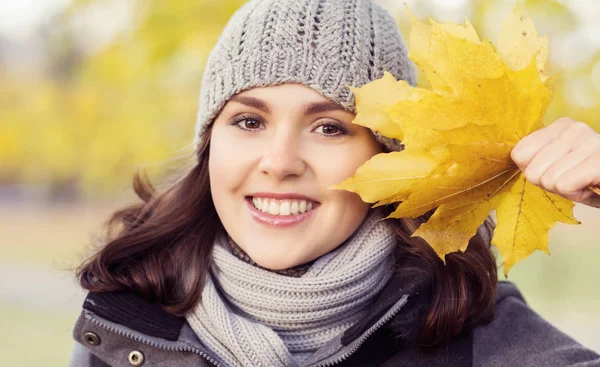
(563, 158)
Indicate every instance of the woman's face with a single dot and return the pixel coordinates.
(273, 153)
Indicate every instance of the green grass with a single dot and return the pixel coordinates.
(32, 338)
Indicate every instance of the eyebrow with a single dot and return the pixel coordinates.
(252, 102)
(310, 109)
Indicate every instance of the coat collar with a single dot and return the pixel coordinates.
(130, 310)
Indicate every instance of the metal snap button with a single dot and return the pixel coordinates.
(136, 358)
(91, 338)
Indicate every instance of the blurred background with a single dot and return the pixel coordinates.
(92, 91)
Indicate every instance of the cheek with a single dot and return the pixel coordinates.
(344, 163)
(223, 167)
(339, 168)
(350, 208)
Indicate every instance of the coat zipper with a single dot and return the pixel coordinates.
(361, 340)
(152, 343)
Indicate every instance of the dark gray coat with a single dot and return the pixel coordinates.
(120, 329)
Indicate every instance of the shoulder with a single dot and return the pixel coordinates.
(518, 336)
(115, 327)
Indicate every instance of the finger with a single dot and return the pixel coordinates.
(579, 177)
(593, 200)
(527, 147)
(552, 152)
(590, 198)
(556, 178)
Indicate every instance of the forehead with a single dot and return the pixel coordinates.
(288, 97)
(293, 90)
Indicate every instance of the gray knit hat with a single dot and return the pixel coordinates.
(323, 44)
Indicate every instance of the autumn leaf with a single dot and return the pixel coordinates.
(458, 135)
(525, 214)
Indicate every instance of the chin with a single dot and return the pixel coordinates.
(277, 264)
(273, 263)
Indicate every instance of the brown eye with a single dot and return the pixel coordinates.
(330, 130)
(251, 124)
(248, 123)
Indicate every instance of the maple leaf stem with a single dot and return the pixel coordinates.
(595, 189)
(473, 187)
(505, 182)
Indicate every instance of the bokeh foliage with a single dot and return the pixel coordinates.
(90, 118)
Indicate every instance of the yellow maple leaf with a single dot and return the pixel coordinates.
(525, 214)
(458, 137)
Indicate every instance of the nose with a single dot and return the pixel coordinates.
(282, 157)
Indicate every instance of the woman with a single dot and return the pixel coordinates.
(248, 259)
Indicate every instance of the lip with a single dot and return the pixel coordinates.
(278, 220)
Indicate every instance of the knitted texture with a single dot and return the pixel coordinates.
(249, 316)
(323, 44)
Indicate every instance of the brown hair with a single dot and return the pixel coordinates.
(463, 289)
(161, 249)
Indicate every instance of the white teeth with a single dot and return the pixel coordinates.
(302, 206)
(294, 208)
(282, 207)
(273, 208)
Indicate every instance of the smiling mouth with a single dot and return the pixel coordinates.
(284, 207)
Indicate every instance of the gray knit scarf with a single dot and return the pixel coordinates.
(252, 317)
